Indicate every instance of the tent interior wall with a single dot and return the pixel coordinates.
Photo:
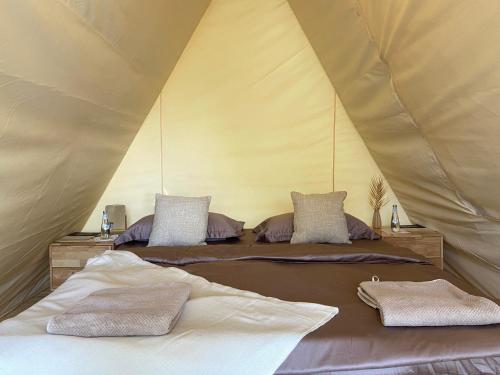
(67, 117)
(271, 95)
(289, 141)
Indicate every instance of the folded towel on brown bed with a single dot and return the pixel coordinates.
(428, 303)
(138, 311)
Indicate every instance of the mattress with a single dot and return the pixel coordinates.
(355, 342)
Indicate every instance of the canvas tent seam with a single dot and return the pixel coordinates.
(26, 257)
(48, 178)
(278, 67)
(473, 255)
(465, 203)
(9, 82)
(101, 36)
(96, 111)
(33, 248)
(463, 214)
(72, 96)
(32, 236)
(41, 190)
(439, 169)
(470, 252)
(31, 288)
(26, 293)
(450, 267)
(12, 111)
(36, 234)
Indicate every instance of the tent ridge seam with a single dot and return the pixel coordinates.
(72, 96)
(51, 228)
(12, 110)
(440, 169)
(85, 24)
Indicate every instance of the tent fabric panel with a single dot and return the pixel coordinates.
(379, 89)
(74, 90)
(255, 107)
(212, 84)
(353, 169)
(138, 177)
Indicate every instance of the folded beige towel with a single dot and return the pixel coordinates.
(138, 311)
(429, 303)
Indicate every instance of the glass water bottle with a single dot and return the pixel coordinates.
(395, 226)
(105, 226)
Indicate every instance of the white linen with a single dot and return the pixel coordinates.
(221, 331)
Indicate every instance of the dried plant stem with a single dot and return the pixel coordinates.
(377, 195)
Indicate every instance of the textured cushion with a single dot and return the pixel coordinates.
(280, 229)
(319, 218)
(139, 231)
(358, 230)
(179, 221)
(275, 229)
(140, 311)
(220, 227)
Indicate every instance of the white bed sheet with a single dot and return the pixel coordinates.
(221, 331)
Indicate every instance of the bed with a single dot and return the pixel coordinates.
(355, 341)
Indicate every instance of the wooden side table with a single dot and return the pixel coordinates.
(69, 255)
(423, 241)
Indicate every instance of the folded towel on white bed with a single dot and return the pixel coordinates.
(428, 303)
(142, 311)
(222, 330)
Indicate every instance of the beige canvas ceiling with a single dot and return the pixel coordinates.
(77, 79)
(417, 78)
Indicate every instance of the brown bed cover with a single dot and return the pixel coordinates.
(355, 341)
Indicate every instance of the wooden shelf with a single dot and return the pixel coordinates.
(423, 241)
(67, 257)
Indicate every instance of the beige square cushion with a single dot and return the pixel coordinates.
(179, 221)
(319, 218)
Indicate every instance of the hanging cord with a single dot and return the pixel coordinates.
(161, 141)
(334, 137)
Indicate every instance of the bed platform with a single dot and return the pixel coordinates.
(355, 341)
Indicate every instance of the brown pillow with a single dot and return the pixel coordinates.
(220, 227)
(139, 231)
(280, 229)
(275, 229)
(358, 230)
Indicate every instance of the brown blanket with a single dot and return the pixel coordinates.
(361, 251)
(355, 342)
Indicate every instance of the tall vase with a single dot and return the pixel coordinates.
(376, 220)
